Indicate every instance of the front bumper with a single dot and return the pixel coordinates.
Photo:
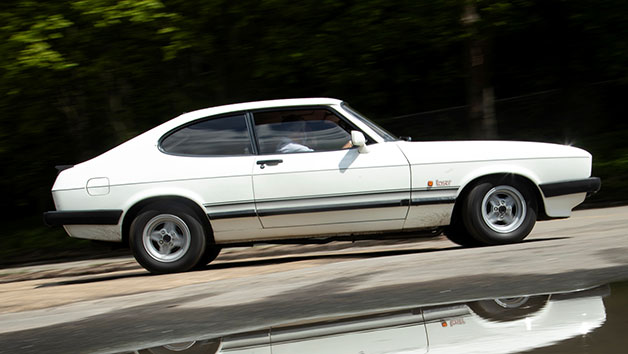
(589, 185)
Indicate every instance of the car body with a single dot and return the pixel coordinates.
(225, 176)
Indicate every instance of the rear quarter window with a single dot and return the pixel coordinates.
(221, 136)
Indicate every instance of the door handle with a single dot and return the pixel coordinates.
(263, 163)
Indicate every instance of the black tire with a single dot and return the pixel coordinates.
(508, 309)
(211, 252)
(499, 212)
(458, 235)
(194, 347)
(167, 239)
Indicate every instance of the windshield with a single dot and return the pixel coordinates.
(379, 130)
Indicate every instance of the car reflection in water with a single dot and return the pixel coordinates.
(504, 325)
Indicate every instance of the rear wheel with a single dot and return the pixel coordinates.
(167, 239)
(499, 212)
(211, 252)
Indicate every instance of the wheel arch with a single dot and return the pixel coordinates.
(499, 176)
(134, 210)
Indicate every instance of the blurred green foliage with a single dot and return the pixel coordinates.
(78, 77)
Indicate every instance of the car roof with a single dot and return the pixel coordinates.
(259, 105)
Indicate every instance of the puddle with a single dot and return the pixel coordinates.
(587, 321)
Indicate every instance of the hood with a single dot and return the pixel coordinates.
(468, 151)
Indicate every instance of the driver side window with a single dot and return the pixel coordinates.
(303, 130)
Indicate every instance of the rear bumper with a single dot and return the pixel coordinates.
(82, 217)
(589, 185)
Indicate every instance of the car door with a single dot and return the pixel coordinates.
(395, 332)
(210, 160)
(306, 175)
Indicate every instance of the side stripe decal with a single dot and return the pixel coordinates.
(426, 189)
(432, 201)
(334, 207)
(249, 213)
(329, 208)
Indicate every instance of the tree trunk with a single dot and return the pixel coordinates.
(480, 96)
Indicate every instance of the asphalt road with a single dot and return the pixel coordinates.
(113, 305)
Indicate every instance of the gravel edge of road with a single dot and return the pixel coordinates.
(127, 263)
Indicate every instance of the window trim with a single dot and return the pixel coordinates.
(250, 125)
(204, 119)
(249, 116)
(381, 131)
(340, 116)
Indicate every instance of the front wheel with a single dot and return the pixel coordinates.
(508, 309)
(167, 239)
(457, 234)
(497, 213)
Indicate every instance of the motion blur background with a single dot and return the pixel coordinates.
(79, 77)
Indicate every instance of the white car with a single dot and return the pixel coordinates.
(297, 169)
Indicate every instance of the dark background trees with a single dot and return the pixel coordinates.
(78, 77)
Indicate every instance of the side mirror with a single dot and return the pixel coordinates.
(358, 139)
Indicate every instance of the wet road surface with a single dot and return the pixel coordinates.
(115, 311)
(582, 321)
